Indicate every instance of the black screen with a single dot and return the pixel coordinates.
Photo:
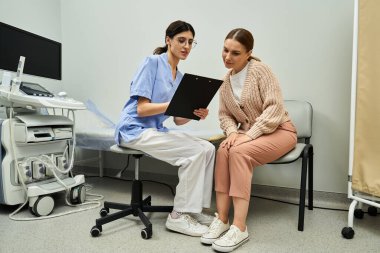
(42, 55)
(34, 89)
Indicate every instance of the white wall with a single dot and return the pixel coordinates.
(41, 17)
(307, 43)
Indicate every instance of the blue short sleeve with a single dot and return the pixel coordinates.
(143, 82)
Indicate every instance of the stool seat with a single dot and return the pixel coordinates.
(127, 151)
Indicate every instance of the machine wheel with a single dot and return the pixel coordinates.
(43, 206)
(358, 213)
(348, 232)
(96, 231)
(78, 194)
(104, 212)
(146, 233)
(372, 210)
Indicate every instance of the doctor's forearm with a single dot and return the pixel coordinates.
(149, 109)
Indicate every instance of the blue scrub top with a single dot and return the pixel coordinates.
(154, 81)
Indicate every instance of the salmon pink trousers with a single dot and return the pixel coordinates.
(234, 166)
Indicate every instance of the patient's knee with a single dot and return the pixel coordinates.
(223, 151)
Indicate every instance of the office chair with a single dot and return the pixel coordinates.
(301, 114)
(138, 205)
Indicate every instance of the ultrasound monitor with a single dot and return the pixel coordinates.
(34, 89)
(43, 55)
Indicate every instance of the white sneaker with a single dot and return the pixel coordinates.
(216, 229)
(231, 240)
(203, 218)
(186, 224)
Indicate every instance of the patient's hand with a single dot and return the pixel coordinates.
(242, 138)
(229, 141)
(201, 112)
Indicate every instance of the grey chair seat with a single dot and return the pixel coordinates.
(292, 155)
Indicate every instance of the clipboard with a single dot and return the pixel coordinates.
(193, 92)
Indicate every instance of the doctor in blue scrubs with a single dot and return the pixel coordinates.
(141, 127)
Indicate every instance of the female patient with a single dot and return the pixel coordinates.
(258, 130)
(141, 127)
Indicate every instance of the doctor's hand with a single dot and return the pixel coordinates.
(201, 112)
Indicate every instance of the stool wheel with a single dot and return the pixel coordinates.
(146, 233)
(104, 212)
(96, 231)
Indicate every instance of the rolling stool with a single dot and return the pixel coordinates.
(137, 207)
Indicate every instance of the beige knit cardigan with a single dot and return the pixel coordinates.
(261, 107)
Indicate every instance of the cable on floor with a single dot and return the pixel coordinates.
(131, 180)
(295, 204)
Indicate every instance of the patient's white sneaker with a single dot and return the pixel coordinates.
(216, 229)
(231, 240)
(186, 224)
(203, 218)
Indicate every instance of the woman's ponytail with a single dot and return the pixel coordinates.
(160, 50)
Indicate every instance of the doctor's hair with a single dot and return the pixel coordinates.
(172, 30)
(245, 38)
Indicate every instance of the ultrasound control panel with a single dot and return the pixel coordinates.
(34, 89)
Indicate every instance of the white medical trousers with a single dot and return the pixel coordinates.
(195, 158)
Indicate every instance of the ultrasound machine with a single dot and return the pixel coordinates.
(37, 148)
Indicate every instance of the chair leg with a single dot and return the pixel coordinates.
(301, 211)
(310, 188)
